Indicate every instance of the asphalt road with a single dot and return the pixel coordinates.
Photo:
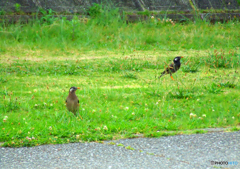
(180, 151)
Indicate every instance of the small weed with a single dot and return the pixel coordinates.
(120, 145)
(17, 7)
(238, 1)
(220, 60)
(129, 148)
(228, 85)
(112, 143)
(191, 69)
(130, 75)
(95, 10)
(235, 129)
(146, 13)
(181, 94)
(12, 105)
(191, 66)
(200, 131)
(47, 16)
(3, 80)
(2, 12)
(214, 88)
(151, 154)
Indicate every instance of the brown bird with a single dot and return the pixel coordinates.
(173, 67)
(72, 101)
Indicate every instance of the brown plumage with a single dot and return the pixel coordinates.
(72, 101)
(173, 67)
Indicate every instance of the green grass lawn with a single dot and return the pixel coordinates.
(116, 67)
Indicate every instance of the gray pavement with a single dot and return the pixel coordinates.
(180, 151)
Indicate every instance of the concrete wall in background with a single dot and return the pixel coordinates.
(29, 6)
(216, 4)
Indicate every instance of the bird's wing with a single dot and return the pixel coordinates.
(171, 66)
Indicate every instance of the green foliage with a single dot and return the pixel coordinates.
(115, 64)
(238, 1)
(2, 12)
(182, 93)
(130, 75)
(47, 16)
(213, 88)
(17, 7)
(191, 65)
(95, 10)
(228, 85)
(145, 13)
(221, 60)
(109, 31)
(3, 80)
(129, 148)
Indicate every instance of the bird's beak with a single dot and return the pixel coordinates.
(182, 57)
(78, 87)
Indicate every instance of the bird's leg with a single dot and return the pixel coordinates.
(171, 76)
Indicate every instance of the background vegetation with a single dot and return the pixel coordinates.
(116, 65)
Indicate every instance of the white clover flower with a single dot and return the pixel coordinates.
(77, 136)
(5, 118)
(133, 113)
(233, 117)
(83, 109)
(192, 115)
(28, 138)
(51, 104)
(156, 103)
(35, 90)
(126, 108)
(204, 115)
(36, 105)
(93, 110)
(50, 128)
(152, 17)
(105, 128)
